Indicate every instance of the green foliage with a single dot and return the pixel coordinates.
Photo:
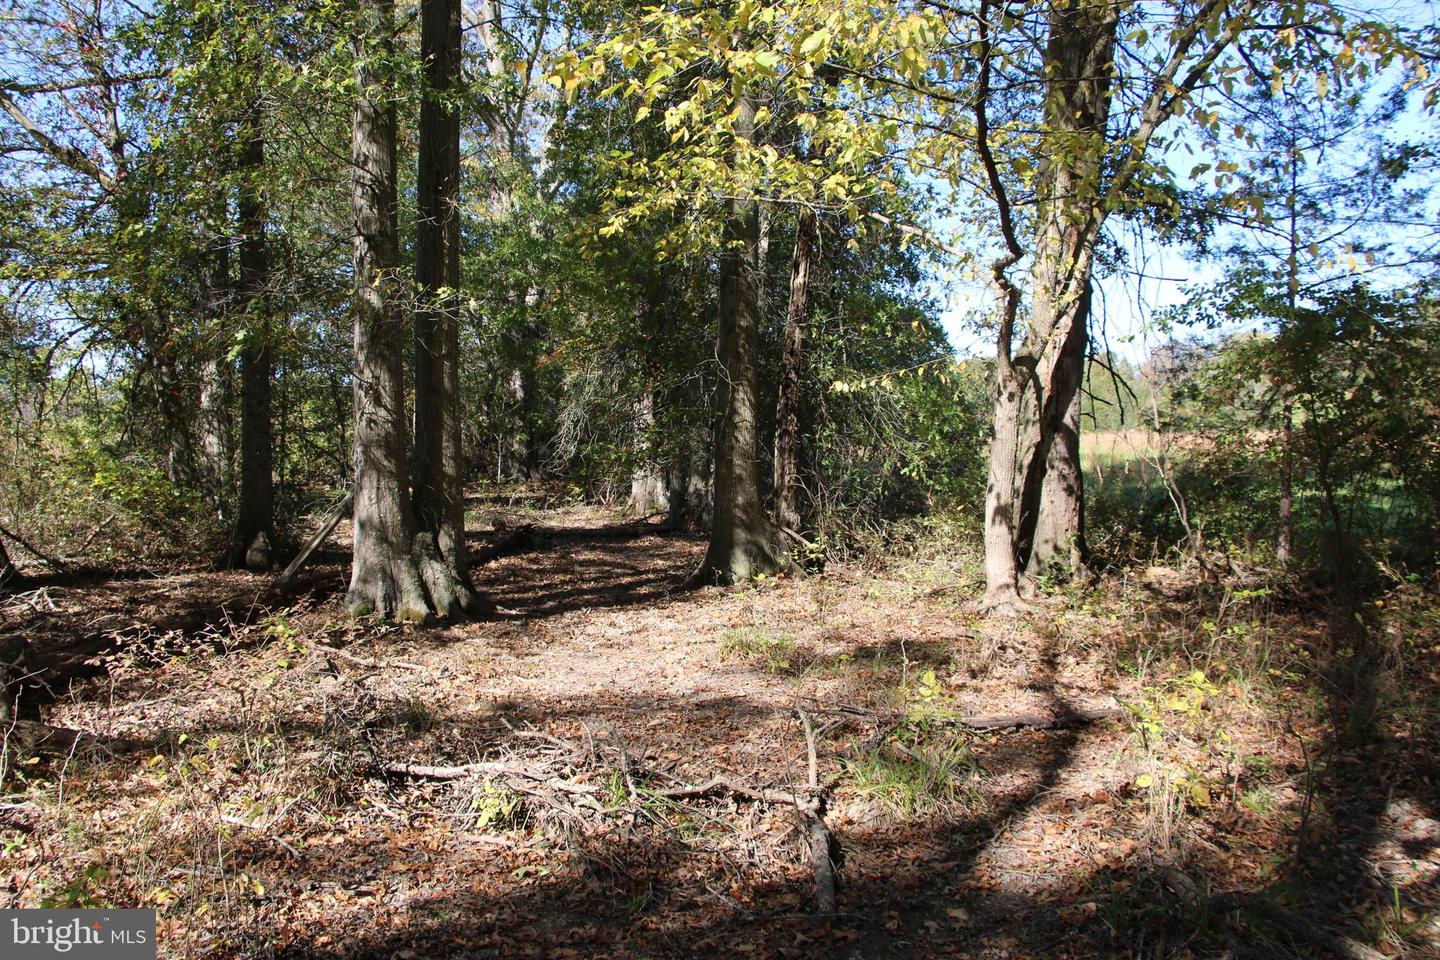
(775, 652)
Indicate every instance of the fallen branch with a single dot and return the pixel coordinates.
(497, 768)
(327, 526)
(364, 662)
(54, 563)
(821, 842)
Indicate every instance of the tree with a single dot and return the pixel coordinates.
(1037, 386)
(395, 571)
(787, 403)
(255, 516)
(1079, 63)
(743, 541)
(437, 483)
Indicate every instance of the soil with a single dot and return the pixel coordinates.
(244, 790)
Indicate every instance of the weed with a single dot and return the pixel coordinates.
(494, 805)
(916, 777)
(775, 652)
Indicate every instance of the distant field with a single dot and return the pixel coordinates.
(1106, 447)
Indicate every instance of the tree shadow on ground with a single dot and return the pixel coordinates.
(664, 883)
(565, 569)
(85, 617)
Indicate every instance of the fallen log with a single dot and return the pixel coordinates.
(523, 537)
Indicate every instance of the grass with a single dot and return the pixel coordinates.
(774, 652)
(925, 775)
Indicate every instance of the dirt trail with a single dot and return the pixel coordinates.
(259, 821)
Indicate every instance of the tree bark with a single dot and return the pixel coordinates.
(1050, 536)
(1001, 570)
(216, 386)
(649, 493)
(792, 362)
(743, 541)
(394, 573)
(252, 543)
(1052, 503)
(436, 477)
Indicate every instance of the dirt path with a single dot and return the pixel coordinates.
(259, 820)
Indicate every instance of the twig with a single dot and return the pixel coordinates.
(821, 842)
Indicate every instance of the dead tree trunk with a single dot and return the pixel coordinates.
(792, 363)
(743, 541)
(254, 520)
(436, 481)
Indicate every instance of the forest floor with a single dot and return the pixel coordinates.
(1167, 772)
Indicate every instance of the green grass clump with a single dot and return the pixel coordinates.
(775, 652)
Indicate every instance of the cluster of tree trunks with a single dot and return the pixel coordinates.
(409, 551)
(1034, 512)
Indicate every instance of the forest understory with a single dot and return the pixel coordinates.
(1173, 763)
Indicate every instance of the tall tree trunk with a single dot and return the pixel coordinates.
(1285, 545)
(1049, 500)
(216, 386)
(649, 493)
(437, 483)
(394, 572)
(743, 541)
(254, 520)
(792, 362)
(1052, 502)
